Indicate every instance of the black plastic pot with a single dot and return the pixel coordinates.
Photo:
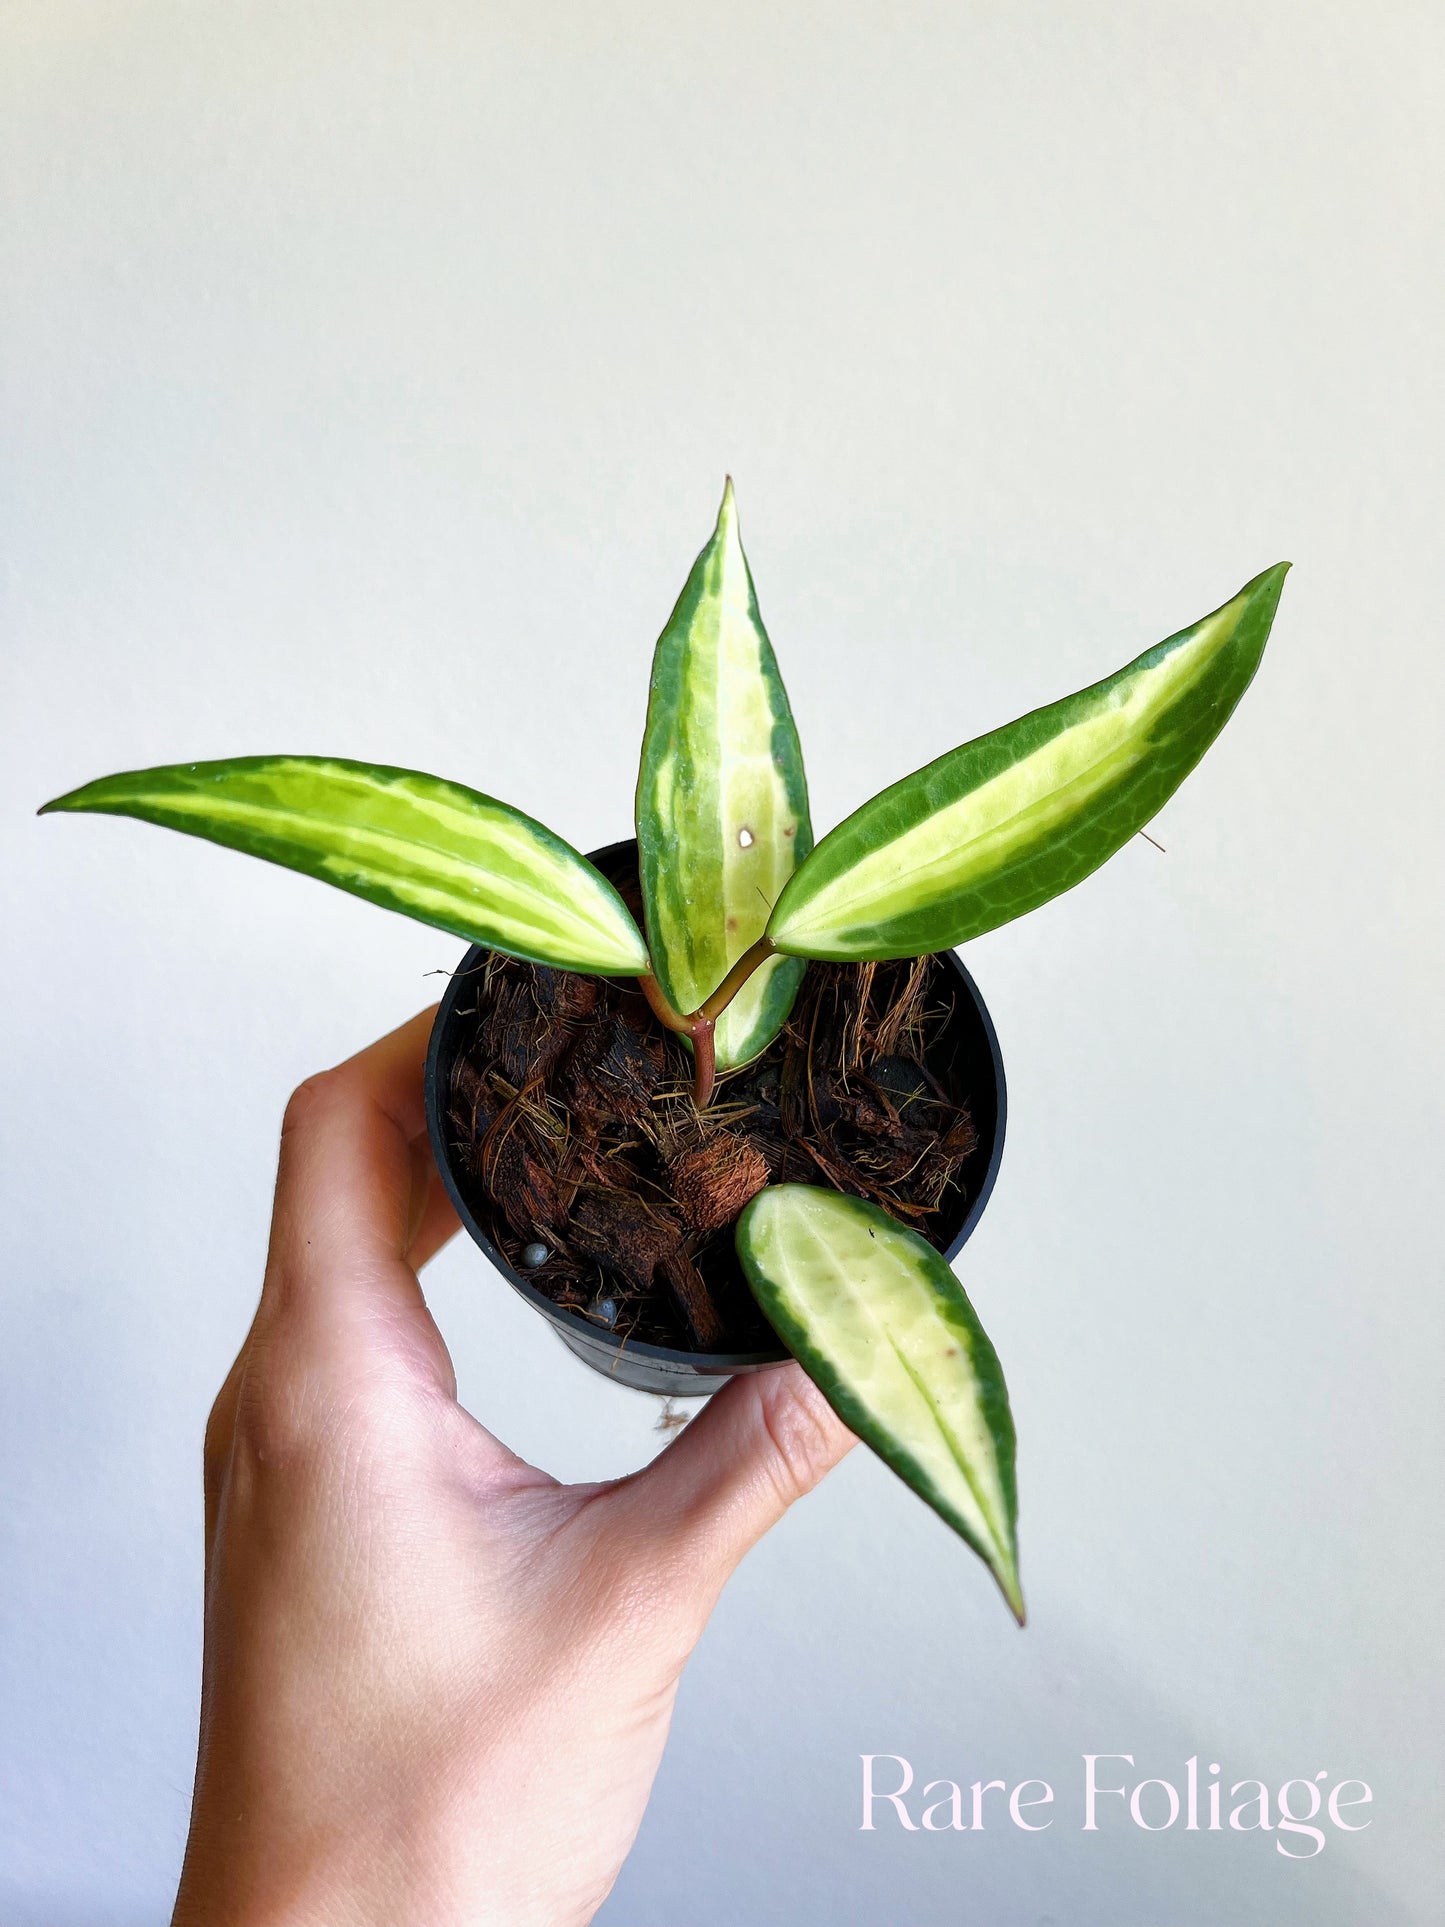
(969, 1043)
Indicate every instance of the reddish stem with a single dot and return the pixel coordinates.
(701, 1024)
(662, 1010)
(704, 1062)
(751, 960)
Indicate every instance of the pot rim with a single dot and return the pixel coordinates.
(703, 1363)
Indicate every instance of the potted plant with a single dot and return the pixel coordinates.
(776, 1114)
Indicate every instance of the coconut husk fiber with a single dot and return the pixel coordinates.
(574, 1130)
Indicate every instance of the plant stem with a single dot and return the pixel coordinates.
(751, 960)
(662, 1010)
(701, 1024)
(704, 1062)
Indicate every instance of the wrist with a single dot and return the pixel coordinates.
(341, 1883)
(367, 1877)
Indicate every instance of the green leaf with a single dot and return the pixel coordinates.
(722, 805)
(1002, 825)
(433, 850)
(881, 1325)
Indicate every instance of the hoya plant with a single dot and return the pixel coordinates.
(737, 900)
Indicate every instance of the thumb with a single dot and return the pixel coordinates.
(764, 1441)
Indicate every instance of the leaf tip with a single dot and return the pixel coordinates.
(1004, 1567)
(1267, 585)
(97, 797)
(1256, 605)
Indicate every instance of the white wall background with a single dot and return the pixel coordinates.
(370, 375)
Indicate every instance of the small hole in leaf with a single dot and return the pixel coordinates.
(745, 837)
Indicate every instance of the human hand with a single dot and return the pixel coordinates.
(437, 1683)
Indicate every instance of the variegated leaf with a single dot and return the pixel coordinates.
(432, 850)
(880, 1324)
(1002, 825)
(722, 805)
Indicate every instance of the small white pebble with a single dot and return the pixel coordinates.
(534, 1255)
